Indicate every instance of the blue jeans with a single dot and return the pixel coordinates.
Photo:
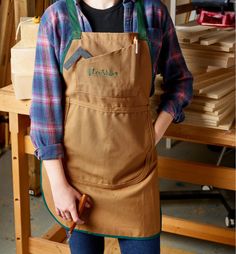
(82, 243)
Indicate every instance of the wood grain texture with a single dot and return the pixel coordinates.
(204, 135)
(6, 42)
(55, 234)
(44, 246)
(196, 173)
(225, 125)
(18, 127)
(198, 230)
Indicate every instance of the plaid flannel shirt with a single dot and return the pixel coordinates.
(54, 34)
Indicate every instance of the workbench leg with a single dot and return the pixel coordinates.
(18, 128)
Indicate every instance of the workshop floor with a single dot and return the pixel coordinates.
(210, 211)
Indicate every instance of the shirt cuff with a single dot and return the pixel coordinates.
(49, 152)
(177, 114)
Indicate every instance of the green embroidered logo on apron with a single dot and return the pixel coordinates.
(102, 73)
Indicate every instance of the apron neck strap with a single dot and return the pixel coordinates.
(142, 32)
(76, 24)
(73, 15)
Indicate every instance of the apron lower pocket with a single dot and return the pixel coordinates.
(107, 148)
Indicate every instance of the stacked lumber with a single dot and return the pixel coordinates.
(206, 47)
(213, 103)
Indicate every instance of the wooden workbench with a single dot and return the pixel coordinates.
(186, 171)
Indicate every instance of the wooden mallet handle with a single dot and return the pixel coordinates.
(82, 203)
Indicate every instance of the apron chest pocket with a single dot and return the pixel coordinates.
(109, 75)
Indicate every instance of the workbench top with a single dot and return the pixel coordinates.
(181, 131)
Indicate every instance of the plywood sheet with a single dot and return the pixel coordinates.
(215, 112)
(193, 29)
(214, 82)
(217, 38)
(226, 124)
(209, 117)
(214, 103)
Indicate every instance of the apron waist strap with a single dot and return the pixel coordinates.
(109, 108)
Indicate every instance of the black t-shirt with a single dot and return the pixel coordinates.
(108, 20)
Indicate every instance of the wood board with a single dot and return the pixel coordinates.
(215, 119)
(214, 104)
(214, 47)
(226, 124)
(209, 111)
(192, 29)
(211, 77)
(218, 91)
(213, 85)
(217, 38)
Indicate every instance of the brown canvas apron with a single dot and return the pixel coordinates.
(108, 133)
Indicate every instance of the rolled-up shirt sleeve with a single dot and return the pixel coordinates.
(177, 83)
(46, 110)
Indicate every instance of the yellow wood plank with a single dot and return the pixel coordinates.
(213, 47)
(193, 29)
(201, 135)
(44, 246)
(213, 103)
(226, 124)
(211, 81)
(9, 103)
(198, 230)
(213, 85)
(214, 111)
(212, 74)
(196, 173)
(29, 148)
(34, 175)
(208, 117)
(218, 92)
(216, 39)
(228, 41)
(18, 126)
(55, 234)
(205, 53)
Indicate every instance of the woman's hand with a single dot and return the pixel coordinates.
(162, 123)
(65, 197)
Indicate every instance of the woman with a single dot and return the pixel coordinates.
(90, 119)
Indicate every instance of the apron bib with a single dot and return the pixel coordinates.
(109, 138)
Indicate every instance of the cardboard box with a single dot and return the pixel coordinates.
(22, 69)
(29, 31)
(22, 85)
(22, 58)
